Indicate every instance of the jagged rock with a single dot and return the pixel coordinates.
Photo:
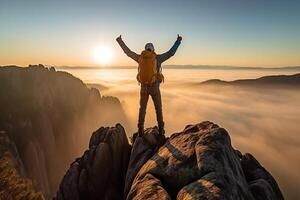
(100, 172)
(262, 184)
(200, 163)
(143, 148)
(197, 163)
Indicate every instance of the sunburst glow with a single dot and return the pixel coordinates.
(102, 55)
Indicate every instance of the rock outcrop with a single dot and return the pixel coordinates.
(197, 163)
(100, 172)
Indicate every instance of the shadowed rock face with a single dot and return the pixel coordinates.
(261, 182)
(197, 163)
(100, 172)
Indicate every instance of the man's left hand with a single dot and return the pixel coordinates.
(179, 38)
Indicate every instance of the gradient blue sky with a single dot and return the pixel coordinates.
(215, 32)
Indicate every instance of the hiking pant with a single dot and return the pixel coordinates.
(154, 92)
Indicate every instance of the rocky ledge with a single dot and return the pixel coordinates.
(196, 163)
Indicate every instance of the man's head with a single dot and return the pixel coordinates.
(149, 47)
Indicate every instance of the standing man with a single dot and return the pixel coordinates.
(149, 76)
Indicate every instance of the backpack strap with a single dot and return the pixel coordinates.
(138, 75)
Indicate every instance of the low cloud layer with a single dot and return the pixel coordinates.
(261, 121)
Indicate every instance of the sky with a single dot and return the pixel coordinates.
(215, 32)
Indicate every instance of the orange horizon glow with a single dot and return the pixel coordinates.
(116, 57)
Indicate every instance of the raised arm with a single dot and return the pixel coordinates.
(165, 56)
(126, 50)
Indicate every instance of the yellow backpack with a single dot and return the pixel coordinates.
(147, 70)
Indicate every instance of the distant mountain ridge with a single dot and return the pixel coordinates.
(274, 80)
(200, 67)
(225, 67)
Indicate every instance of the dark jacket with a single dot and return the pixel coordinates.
(160, 57)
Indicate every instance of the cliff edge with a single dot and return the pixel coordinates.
(48, 114)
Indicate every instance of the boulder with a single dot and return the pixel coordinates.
(100, 172)
(200, 163)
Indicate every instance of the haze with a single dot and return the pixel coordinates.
(263, 121)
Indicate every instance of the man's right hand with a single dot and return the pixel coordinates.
(119, 38)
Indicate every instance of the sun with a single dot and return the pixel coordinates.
(102, 55)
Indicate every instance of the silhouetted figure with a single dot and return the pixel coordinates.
(150, 76)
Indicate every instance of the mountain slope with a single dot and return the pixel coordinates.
(49, 115)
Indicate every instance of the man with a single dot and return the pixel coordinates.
(150, 77)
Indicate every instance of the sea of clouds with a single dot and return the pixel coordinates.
(263, 121)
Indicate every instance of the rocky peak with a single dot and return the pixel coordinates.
(196, 163)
